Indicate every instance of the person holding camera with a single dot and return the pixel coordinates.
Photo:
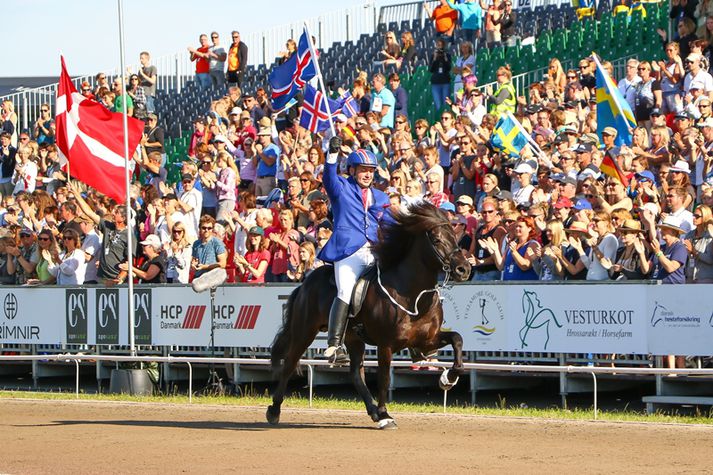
(440, 68)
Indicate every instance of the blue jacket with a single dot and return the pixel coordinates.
(353, 226)
(471, 15)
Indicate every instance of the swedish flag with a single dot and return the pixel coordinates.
(508, 137)
(612, 108)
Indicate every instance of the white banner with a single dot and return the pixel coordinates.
(571, 318)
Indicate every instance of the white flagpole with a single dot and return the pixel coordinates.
(540, 154)
(129, 236)
(321, 80)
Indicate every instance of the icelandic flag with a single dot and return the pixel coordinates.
(612, 108)
(508, 137)
(348, 105)
(314, 115)
(287, 79)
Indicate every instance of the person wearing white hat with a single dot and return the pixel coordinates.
(669, 261)
(153, 271)
(523, 174)
(697, 74)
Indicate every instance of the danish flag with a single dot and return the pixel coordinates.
(91, 139)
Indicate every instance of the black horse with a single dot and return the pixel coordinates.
(401, 309)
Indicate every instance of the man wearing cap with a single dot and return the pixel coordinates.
(609, 135)
(523, 174)
(267, 154)
(251, 105)
(26, 256)
(669, 262)
(357, 209)
(563, 210)
(190, 204)
(697, 74)
(92, 248)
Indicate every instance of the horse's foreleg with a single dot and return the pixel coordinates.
(449, 378)
(385, 354)
(288, 367)
(356, 369)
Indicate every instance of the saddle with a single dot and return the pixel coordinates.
(359, 292)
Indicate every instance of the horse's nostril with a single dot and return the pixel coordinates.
(461, 270)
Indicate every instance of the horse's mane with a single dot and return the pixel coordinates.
(397, 238)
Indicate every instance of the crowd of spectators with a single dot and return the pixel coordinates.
(250, 196)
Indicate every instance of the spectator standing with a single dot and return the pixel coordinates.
(71, 267)
(697, 75)
(178, 256)
(153, 138)
(138, 97)
(669, 261)
(201, 56)
(8, 121)
(400, 95)
(147, 79)
(521, 252)
(115, 243)
(122, 101)
(407, 59)
(631, 261)
(699, 244)
(598, 260)
(508, 24)
(47, 252)
(26, 257)
(92, 248)
(505, 98)
(493, 35)
(44, 128)
(7, 164)
(267, 153)
(440, 68)
(464, 168)
(25, 176)
(237, 60)
(628, 84)
(383, 101)
(470, 17)
(191, 205)
(225, 187)
(208, 251)
(465, 59)
(284, 248)
(153, 270)
(252, 267)
(444, 18)
(216, 61)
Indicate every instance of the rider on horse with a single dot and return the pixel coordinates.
(357, 209)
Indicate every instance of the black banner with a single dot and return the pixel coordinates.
(142, 316)
(107, 316)
(76, 315)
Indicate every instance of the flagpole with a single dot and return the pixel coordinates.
(321, 80)
(129, 236)
(540, 154)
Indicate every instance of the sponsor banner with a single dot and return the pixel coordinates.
(477, 312)
(31, 315)
(680, 320)
(77, 311)
(108, 307)
(577, 318)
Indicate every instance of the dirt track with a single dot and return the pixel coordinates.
(85, 437)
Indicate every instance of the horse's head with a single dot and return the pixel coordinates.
(423, 229)
(445, 249)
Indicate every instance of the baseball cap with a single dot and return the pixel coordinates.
(236, 111)
(151, 240)
(465, 199)
(646, 175)
(585, 147)
(563, 202)
(696, 85)
(655, 112)
(448, 206)
(523, 168)
(257, 230)
(503, 195)
(683, 115)
(610, 131)
(186, 177)
(265, 131)
(582, 204)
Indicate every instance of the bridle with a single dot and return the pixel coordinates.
(445, 266)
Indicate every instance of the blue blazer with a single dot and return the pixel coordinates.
(353, 226)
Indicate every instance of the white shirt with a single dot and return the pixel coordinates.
(91, 246)
(683, 219)
(628, 90)
(702, 77)
(192, 219)
(595, 270)
(71, 270)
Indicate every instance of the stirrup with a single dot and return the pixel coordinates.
(337, 356)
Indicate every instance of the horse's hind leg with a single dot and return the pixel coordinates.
(385, 420)
(356, 370)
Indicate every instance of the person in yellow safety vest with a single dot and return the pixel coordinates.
(505, 97)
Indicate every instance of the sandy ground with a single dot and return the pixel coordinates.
(88, 437)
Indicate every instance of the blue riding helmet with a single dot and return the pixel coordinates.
(361, 157)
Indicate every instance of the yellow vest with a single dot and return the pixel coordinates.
(508, 104)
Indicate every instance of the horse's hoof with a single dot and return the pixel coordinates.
(374, 416)
(272, 415)
(387, 424)
(444, 383)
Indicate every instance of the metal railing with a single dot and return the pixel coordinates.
(310, 364)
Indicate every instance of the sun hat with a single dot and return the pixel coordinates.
(671, 223)
(631, 225)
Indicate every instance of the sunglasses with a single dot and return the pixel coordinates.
(177, 231)
(445, 117)
(697, 216)
(47, 110)
(43, 239)
(67, 238)
(206, 228)
(489, 211)
(305, 180)
(400, 121)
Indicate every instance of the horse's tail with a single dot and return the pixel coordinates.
(281, 344)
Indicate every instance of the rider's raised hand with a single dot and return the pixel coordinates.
(335, 144)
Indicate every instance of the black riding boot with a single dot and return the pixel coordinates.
(338, 314)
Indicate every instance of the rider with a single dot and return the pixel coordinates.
(357, 209)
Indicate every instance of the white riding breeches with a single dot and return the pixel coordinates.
(348, 270)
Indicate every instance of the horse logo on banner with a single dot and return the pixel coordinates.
(535, 317)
